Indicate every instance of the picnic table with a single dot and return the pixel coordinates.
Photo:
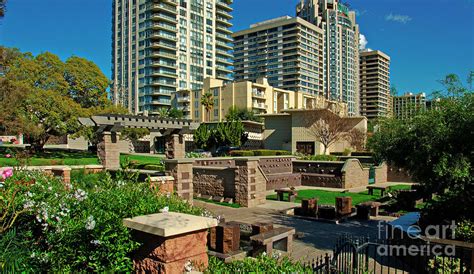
(382, 189)
(291, 194)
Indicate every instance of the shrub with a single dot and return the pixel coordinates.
(319, 158)
(240, 153)
(261, 264)
(79, 229)
(268, 152)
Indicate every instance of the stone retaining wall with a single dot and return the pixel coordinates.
(214, 181)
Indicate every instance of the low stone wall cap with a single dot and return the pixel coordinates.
(179, 161)
(64, 168)
(161, 178)
(94, 166)
(169, 224)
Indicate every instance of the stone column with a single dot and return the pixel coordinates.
(171, 242)
(108, 150)
(175, 146)
(182, 171)
(250, 183)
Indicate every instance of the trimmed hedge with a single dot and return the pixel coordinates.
(240, 153)
(259, 152)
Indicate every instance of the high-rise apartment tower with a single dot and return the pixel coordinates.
(375, 99)
(162, 46)
(341, 48)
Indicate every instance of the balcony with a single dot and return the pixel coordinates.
(257, 93)
(186, 109)
(259, 105)
(184, 99)
(223, 29)
(225, 5)
(164, 26)
(223, 45)
(161, 44)
(164, 7)
(224, 20)
(163, 54)
(163, 83)
(164, 17)
(224, 37)
(224, 61)
(163, 35)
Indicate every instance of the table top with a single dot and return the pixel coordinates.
(169, 224)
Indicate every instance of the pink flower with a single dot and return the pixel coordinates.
(7, 173)
(8, 156)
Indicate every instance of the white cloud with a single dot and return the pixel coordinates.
(398, 18)
(362, 41)
(360, 12)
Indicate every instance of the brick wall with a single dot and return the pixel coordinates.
(214, 181)
(381, 173)
(354, 175)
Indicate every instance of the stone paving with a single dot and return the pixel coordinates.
(317, 238)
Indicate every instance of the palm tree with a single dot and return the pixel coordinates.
(2, 7)
(208, 102)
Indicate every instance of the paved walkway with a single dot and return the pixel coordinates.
(313, 238)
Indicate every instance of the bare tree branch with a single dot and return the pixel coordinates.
(326, 126)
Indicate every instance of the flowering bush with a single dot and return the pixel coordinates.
(78, 228)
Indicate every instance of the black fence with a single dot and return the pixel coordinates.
(422, 255)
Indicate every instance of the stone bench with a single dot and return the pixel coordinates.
(169, 241)
(291, 194)
(367, 209)
(382, 189)
(280, 238)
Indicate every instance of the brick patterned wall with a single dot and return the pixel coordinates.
(182, 171)
(276, 165)
(108, 150)
(283, 180)
(215, 162)
(381, 173)
(311, 179)
(354, 175)
(214, 181)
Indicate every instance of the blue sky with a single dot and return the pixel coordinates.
(426, 39)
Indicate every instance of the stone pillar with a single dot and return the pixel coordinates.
(309, 207)
(165, 184)
(343, 205)
(170, 242)
(108, 150)
(64, 173)
(250, 183)
(175, 146)
(182, 171)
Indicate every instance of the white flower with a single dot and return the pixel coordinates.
(264, 253)
(90, 223)
(188, 266)
(165, 209)
(50, 188)
(95, 242)
(29, 194)
(29, 204)
(80, 195)
(33, 255)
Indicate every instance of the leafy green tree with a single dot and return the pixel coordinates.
(436, 147)
(42, 96)
(203, 137)
(207, 100)
(175, 113)
(241, 114)
(46, 113)
(87, 84)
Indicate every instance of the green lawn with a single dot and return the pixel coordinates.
(51, 157)
(329, 197)
(234, 205)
